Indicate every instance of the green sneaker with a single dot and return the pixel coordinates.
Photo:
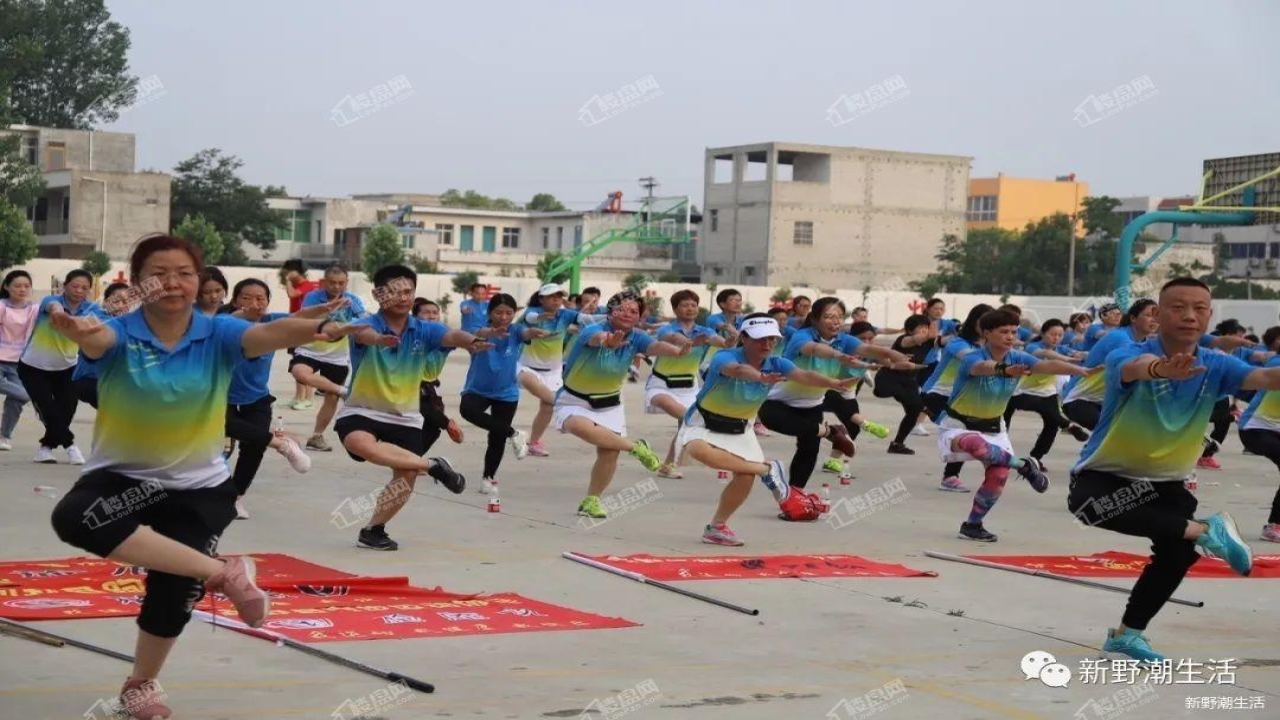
(876, 429)
(590, 506)
(833, 466)
(646, 456)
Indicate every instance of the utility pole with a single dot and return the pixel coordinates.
(649, 183)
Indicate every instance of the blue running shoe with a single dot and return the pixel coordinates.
(1222, 540)
(776, 481)
(1034, 474)
(1131, 644)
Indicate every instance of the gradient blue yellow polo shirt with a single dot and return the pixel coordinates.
(337, 352)
(48, 349)
(384, 381)
(685, 366)
(734, 397)
(1154, 430)
(946, 326)
(944, 374)
(601, 371)
(547, 353)
(719, 324)
(1263, 412)
(985, 397)
(797, 394)
(1038, 385)
(162, 413)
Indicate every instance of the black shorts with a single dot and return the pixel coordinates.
(403, 436)
(336, 374)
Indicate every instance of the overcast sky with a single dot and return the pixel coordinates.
(496, 90)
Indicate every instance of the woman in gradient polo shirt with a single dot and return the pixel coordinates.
(157, 492)
(543, 360)
(48, 363)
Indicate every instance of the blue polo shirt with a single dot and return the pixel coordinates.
(946, 326)
(492, 374)
(249, 381)
(477, 318)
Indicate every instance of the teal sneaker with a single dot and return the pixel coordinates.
(1131, 644)
(776, 481)
(647, 457)
(1222, 540)
(876, 429)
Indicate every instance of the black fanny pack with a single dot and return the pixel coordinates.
(597, 402)
(675, 382)
(982, 425)
(721, 423)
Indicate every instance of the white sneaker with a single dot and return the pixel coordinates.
(920, 430)
(518, 444)
(74, 456)
(298, 459)
(488, 487)
(44, 456)
(6, 443)
(241, 513)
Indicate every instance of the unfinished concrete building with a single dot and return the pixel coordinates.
(787, 214)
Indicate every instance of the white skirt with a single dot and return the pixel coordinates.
(950, 429)
(655, 387)
(568, 406)
(550, 379)
(745, 446)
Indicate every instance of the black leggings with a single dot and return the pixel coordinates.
(497, 422)
(195, 518)
(907, 394)
(1221, 419)
(802, 424)
(934, 404)
(844, 410)
(1050, 414)
(250, 426)
(1265, 443)
(54, 398)
(1083, 413)
(1156, 510)
(87, 391)
(434, 421)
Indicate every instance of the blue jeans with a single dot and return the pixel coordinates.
(15, 396)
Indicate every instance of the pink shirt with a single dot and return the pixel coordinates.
(16, 324)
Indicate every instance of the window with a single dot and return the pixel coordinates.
(66, 209)
(982, 208)
(722, 170)
(33, 150)
(55, 156)
(510, 237)
(560, 237)
(546, 238)
(718, 271)
(715, 220)
(803, 233)
(444, 233)
(1275, 250)
(748, 271)
(577, 236)
(407, 241)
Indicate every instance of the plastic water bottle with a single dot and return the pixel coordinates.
(1192, 484)
(495, 503)
(48, 491)
(826, 493)
(277, 428)
(846, 478)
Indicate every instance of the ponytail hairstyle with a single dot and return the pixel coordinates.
(819, 307)
(969, 330)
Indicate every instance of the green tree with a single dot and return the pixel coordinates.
(444, 301)
(233, 253)
(207, 184)
(64, 62)
(205, 236)
(780, 296)
(17, 240)
(474, 200)
(422, 265)
(1098, 216)
(670, 276)
(550, 258)
(382, 247)
(463, 281)
(635, 282)
(96, 263)
(545, 202)
(20, 182)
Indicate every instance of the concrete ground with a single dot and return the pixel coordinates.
(816, 650)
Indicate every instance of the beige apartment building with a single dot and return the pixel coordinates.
(788, 214)
(94, 199)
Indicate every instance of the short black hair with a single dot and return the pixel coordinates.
(386, 274)
(860, 309)
(1135, 310)
(997, 319)
(860, 327)
(723, 296)
(474, 286)
(593, 290)
(932, 302)
(1185, 282)
(1270, 336)
(913, 322)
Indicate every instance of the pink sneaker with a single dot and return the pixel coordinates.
(142, 699)
(669, 470)
(1271, 532)
(1208, 463)
(236, 581)
(953, 484)
(292, 452)
(721, 535)
(762, 431)
(536, 449)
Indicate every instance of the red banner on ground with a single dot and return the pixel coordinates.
(309, 603)
(741, 567)
(1120, 564)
